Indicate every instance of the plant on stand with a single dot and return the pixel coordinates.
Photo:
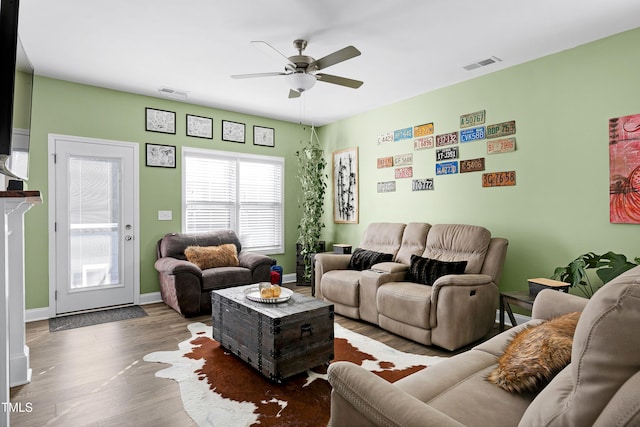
(311, 166)
(607, 266)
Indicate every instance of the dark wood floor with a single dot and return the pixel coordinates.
(95, 376)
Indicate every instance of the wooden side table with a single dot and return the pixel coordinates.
(519, 298)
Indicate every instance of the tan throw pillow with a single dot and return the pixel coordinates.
(213, 256)
(535, 355)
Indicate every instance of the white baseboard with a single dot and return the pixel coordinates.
(35, 314)
(150, 298)
(289, 278)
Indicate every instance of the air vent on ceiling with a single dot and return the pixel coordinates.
(482, 63)
(173, 93)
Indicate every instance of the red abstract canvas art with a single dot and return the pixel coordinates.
(624, 169)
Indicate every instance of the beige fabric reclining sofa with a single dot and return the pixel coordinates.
(456, 310)
(600, 386)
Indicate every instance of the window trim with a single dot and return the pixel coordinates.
(186, 151)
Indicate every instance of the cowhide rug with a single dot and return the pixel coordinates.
(218, 389)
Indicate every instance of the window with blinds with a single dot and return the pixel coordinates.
(241, 192)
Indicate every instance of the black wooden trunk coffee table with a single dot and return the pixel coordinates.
(279, 340)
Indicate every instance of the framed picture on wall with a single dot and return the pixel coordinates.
(233, 131)
(161, 156)
(264, 136)
(160, 121)
(199, 127)
(345, 186)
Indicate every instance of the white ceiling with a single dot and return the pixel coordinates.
(408, 47)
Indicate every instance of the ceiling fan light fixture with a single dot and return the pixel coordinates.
(301, 81)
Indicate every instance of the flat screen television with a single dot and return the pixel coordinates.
(16, 87)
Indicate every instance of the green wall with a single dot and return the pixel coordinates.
(559, 207)
(61, 107)
(557, 210)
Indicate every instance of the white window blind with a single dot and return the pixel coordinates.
(244, 193)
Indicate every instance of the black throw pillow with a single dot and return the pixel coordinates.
(426, 270)
(363, 259)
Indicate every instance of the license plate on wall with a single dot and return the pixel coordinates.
(472, 165)
(448, 153)
(386, 187)
(472, 119)
(447, 139)
(404, 172)
(446, 168)
(505, 145)
(423, 143)
(499, 179)
(423, 130)
(473, 134)
(422, 184)
(501, 129)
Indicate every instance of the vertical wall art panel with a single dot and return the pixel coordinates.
(624, 169)
(345, 185)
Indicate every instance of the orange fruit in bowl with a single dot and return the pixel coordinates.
(266, 293)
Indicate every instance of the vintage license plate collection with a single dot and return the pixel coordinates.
(424, 138)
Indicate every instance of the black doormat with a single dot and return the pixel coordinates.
(95, 318)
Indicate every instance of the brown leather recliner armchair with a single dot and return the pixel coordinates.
(186, 288)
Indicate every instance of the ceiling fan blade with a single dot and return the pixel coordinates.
(334, 58)
(272, 51)
(337, 80)
(249, 76)
(294, 94)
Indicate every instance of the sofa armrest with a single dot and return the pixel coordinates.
(390, 267)
(360, 395)
(551, 303)
(327, 262)
(324, 262)
(253, 260)
(461, 280)
(169, 265)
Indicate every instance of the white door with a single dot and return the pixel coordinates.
(95, 252)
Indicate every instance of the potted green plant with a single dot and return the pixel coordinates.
(313, 183)
(607, 267)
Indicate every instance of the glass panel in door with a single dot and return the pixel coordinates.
(94, 219)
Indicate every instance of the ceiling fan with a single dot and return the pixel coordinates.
(301, 70)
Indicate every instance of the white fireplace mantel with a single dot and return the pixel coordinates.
(13, 349)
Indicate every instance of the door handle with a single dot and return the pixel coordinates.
(127, 238)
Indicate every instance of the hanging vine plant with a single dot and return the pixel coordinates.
(313, 183)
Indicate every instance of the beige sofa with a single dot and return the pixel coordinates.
(456, 310)
(600, 387)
